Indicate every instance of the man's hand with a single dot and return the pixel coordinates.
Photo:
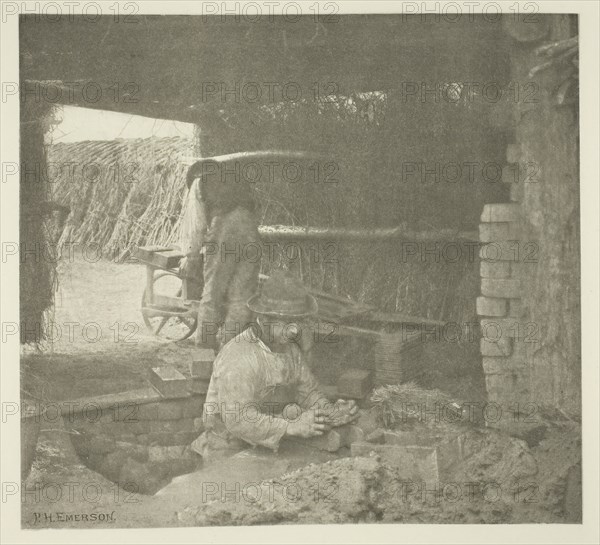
(341, 412)
(311, 423)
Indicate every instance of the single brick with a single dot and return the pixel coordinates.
(202, 364)
(493, 329)
(501, 287)
(498, 349)
(490, 232)
(502, 366)
(513, 153)
(169, 382)
(498, 269)
(500, 212)
(354, 383)
(501, 250)
(487, 306)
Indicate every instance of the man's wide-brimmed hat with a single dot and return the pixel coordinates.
(283, 295)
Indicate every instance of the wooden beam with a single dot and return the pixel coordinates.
(292, 232)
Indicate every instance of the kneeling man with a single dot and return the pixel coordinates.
(261, 388)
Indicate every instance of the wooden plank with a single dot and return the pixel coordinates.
(145, 253)
(166, 259)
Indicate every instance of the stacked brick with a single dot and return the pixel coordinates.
(139, 439)
(500, 307)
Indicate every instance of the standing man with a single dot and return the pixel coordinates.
(261, 389)
(230, 277)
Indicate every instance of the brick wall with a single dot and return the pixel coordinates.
(505, 333)
(530, 268)
(139, 439)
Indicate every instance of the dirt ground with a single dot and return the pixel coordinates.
(103, 347)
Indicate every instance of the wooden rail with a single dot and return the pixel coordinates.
(292, 232)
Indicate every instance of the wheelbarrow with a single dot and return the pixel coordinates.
(166, 310)
(171, 315)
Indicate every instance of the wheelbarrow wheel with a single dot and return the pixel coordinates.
(170, 323)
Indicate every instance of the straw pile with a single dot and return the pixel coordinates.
(122, 193)
(410, 404)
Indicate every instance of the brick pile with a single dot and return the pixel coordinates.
(500, 308)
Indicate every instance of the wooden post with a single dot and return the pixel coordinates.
(149, 284)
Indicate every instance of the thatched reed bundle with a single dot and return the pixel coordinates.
(122, 193)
